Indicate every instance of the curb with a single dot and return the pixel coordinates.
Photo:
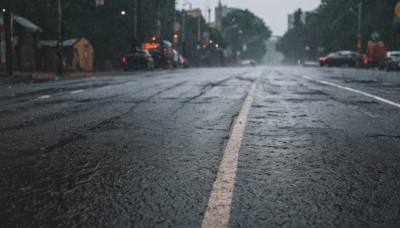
(38, 77)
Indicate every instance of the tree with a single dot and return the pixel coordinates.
(245, 34)
(333, 26)
(293, 42)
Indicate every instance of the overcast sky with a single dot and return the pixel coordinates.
(273, 12)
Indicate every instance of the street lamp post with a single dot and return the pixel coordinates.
(224, 32)
(135, 20)
(198, 32)
(240, 32)
(60, 67)
(7, 26)
(209, 16)
(359, 18)
(183, 36)
(359, 37)
(158, 20)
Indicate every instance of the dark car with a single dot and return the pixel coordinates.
(138, 59)
(324, 59)
(391, 62)
(162, 53)
(340, 58)
(246, 62)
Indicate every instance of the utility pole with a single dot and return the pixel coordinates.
(198, 32)
(219, 16)
(183, 36)
(8, 27)
(209, 16)
(359, 35)
(135, 20)
(158, 20)
(183, 28)
(60, 65)
(359, 15)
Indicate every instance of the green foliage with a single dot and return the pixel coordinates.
(334, 24)
(242, 28)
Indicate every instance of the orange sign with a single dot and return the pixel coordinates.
(150, 46)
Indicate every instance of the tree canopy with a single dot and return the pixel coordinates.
(245, 33)
(334, 26)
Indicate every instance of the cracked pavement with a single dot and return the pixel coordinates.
(143, 149)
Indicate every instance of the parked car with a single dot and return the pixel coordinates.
(324, 59)
(162, 53)
(391, 62)
(246, 62)
(309, 63)
(183, 62)
(340, 58)
(138, 59)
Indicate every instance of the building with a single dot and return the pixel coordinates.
(77, 55)
(25, 37)
(194, 12)
(221, 12)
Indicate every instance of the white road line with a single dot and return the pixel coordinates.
(353, 90)
(44, 97)
(76, 91)
(219, 204)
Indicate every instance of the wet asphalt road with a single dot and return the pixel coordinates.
(143, 150)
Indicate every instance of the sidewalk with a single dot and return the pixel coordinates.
(37, 77)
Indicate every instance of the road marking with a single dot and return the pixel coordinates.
(76, 91)
(353, 90)
(105, 87)
(44, 97)
(219, 204)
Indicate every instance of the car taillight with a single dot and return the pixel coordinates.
(366, 60)
(124, 60)
(181, 62)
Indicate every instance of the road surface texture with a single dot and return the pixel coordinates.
(236, 147)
